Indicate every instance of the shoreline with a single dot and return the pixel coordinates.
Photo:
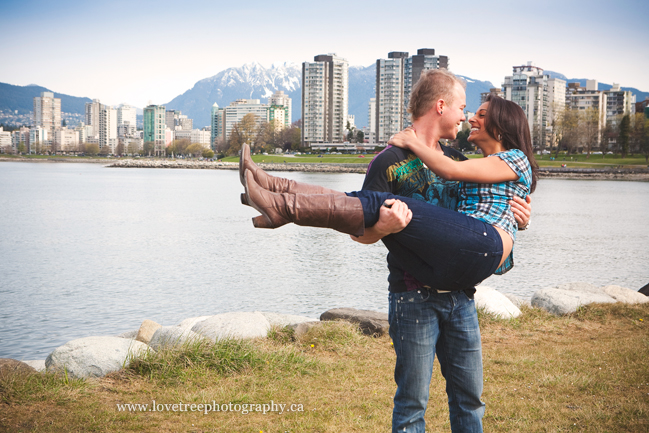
(624, 174)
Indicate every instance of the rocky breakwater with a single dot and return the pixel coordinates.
(609, 173)
(97, 356)
(219, 165)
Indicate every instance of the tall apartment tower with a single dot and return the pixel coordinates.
(395, 78)
(126, 114)
(390, 88)
(424, 60)
(325, 99)
(107, 133)
(92, 117)
(619, 102)
(47, 112)
(155, 126)
(217, 125)
(528, 87)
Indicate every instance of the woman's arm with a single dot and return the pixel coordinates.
(484, 170)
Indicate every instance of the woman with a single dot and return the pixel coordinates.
(478, 237)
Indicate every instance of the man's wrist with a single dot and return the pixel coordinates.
(526, 226)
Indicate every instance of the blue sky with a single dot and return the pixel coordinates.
(140, 51)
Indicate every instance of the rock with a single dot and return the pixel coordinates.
(36, 364)
(494, 302)
(233, 325)
(622, 294)
(579, 287)
(517, 300)
(94, 356)
(370, 322)
(283, 320)
(305, 327)
(172, 336)
(189, 323)
(562, 301)
(10, 367)
(146, 331)
(645, 290)
(129, 334)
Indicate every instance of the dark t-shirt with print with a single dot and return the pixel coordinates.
(400, 172)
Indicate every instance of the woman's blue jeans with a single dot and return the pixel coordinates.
(443, 249)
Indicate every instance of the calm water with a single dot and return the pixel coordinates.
(87, 250)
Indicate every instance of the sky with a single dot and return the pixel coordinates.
(141, 52)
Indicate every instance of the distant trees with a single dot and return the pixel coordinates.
(625, 132)
(261, 137)
(148, 148)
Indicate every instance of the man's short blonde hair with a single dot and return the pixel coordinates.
(433, 85)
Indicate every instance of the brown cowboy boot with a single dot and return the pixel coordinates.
(338, 212)
(276, 184)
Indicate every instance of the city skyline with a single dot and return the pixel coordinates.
(141, 52)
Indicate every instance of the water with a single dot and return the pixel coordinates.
(87, 250)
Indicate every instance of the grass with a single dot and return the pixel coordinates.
(586, 372)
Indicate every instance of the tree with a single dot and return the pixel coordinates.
(570, 131)
(149, 147)
(133, 148)
(119, 150)
(91, 149)
(21, 147)
(235, 141)
(625, 131)
(248, 128)
(555, 124)
(181, 146)
(360, 136)
(195, 149)
(644, 148)
(104, 151)
(208, 153)
(589, 129)
(462, 140)
(637, 132)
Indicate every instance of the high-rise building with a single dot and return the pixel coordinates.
(126, 115)
(371, 119)
(176, 120)
(47, 112)
(424, 60)
(619, 102)
(107, 133)
(217, 124)
(586, 98)
(390, 97)
(281, 100)
(155, 127)
(528, 87)
(325, 94)
(92, 117)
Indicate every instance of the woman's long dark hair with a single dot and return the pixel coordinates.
(507, 123)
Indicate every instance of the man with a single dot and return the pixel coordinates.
(424, 322)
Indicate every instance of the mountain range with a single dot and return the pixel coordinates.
(254, 81)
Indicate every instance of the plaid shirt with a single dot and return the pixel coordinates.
(490, 202)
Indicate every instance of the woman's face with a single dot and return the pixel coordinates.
(478, 132)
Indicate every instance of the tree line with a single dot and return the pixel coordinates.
(261, 136)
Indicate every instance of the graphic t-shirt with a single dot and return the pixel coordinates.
(400, 172)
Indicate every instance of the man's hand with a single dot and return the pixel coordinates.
(391, 220)
(522, 211)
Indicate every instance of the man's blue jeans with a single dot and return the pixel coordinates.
(423, 323)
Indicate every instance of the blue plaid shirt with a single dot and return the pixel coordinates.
(490, 202)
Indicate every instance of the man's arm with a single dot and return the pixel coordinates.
(391, 220)
(522, 210)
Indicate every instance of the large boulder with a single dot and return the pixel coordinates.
(146, 331)
(622, 294)
(369, 322)
(517, 300)
(189, 323)
(233, 325)
(283, 320)
(494, 302)
(129, 334)
(567, 298)
(11, 367)
(36, 364)
(562, 301)
(173, 336)
(94, 356)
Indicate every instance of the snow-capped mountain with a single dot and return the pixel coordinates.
(250, 81)
(254, 81)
